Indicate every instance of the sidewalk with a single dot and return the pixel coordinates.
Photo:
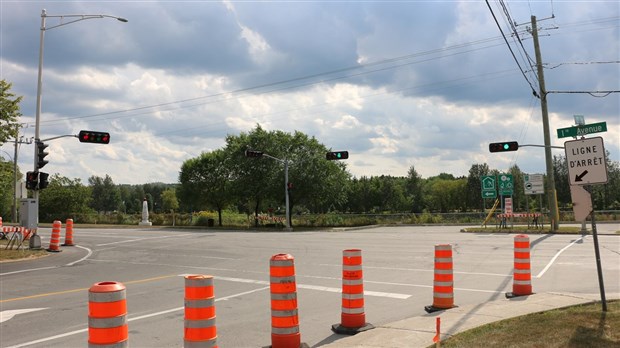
(419, 331)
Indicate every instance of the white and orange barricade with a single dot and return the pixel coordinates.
(199, 328)
(353, 316)
(443, 280)
(284, 316)
(68, 233)
(522, 275)
(107, 315)
(55, 238)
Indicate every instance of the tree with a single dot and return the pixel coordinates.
(414, 189)
(106, 196)
(64, 198)
(9, 112)
(474, 185)
(6, 187)
(206, 181)
(170, 201)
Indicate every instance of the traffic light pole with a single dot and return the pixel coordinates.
(285, 162)
(551, 194)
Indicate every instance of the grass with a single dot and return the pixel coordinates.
(22, 254)
(578, 326)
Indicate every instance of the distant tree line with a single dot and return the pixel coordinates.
(225, 180)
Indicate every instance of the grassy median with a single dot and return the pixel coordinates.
(14, 254)
(578, 326)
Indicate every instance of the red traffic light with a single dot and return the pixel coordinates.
(94, 137)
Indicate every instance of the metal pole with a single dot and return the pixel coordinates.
(551, 197)
(14, 219)
(599, 268)
(35, 193)
(288, 216)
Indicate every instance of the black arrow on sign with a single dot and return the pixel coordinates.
(580, 176)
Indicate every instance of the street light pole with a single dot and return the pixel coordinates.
(74, 18)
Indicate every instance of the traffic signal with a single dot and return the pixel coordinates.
(43, 180)
(251, 153)
(32, 180)
(94, 137)
(503, 147)
(337, 155)
(41, 162)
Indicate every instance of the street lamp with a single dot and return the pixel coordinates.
(73, 18)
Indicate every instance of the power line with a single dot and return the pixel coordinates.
(511, 51)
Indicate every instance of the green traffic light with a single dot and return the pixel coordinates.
(339, 155)
(506, 146)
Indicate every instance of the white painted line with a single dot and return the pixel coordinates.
(27, 270)
(557, 255)
(8, 315)
(145, 238)
(70, 333)
(90, 252)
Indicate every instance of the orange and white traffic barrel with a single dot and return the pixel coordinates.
(55, 239)
(522, 276)
(352, 317)
(443, 280)
(107, 315)
(200, 329)
(284, 315)
(69, 233)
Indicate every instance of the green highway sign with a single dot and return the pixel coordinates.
(488, 186)
(489, 194)
(505, 184)
(585, 129)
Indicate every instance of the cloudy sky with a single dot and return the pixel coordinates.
(427, 84)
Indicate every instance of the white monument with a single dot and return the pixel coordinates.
(145, 215)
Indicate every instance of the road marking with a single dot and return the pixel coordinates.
(145, 238)
(313, 287)
(90, 252)
(557, 255)
(83, 289)
(8, 315)
(70, 333)
(27, 270)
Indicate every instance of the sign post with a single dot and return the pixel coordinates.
(586, 166)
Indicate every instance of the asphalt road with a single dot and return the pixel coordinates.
(44, 302)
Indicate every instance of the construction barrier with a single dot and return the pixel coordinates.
(55, 238)
(69, 233)
(284, 319)
(200, 329)
(107, 315)
(443, 281)
(352, 317)
(522, 276)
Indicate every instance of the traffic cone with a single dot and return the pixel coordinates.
(521, 276)
(352, 317)
(69, 233)
(284, 316)
(200, 330)
(443, 281)
(55, 239)
(107, 315)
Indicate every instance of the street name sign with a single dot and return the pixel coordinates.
(534, 184)
(581, 130)
(505, 184)
(586, 161)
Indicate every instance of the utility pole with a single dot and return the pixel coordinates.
(551, 193)
(14, 210)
